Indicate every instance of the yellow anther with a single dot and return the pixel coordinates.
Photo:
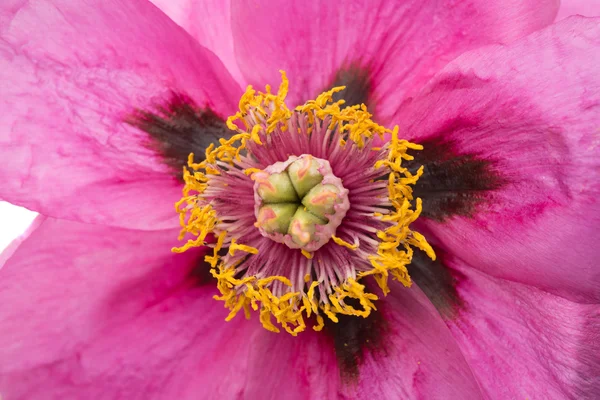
(307, 254)
(254, 134)
(236, 246)
(343, 243)
(215, 257)
(320, 324)
(251, 171)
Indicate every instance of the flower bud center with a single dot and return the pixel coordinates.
(299, 202)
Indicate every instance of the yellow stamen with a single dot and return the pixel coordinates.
(251, 171)
(215, 257)
(341, 242)
(235, 246)
(307, 254)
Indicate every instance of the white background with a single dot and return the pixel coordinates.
(13, 221)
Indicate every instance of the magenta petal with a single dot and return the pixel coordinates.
(292, 368)
(209, 22)
(586, 8)
(400, 44)
(71, 73)
(422, 361)
(532, 110)
(94, 312)
(418, 359)
(524, 343)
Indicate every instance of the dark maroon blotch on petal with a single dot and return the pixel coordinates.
(199, 274)
(353, 337)
(358, 85)
(180, 127)
(436, 280)
(452, 183)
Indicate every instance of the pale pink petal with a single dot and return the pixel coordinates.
(524, 343)
(586, 8)
(71, 73)
(417, 359)
(209, 22)
(400, 44)
(94, 312)
(532, 109)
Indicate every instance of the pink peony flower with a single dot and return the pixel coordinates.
(486, 287)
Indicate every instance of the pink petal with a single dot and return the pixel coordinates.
(286, 367)
(419, 359)
(400, 44)
(586, 8)
(99, 312)
(423, 361)
(522, 342)
(209, 22)
(72, 72)
(532, 108)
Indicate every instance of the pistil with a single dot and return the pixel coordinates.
(299, 202)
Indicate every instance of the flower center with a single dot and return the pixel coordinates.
(299, 202)
(292, 241)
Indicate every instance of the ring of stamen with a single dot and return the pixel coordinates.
(248, 189)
